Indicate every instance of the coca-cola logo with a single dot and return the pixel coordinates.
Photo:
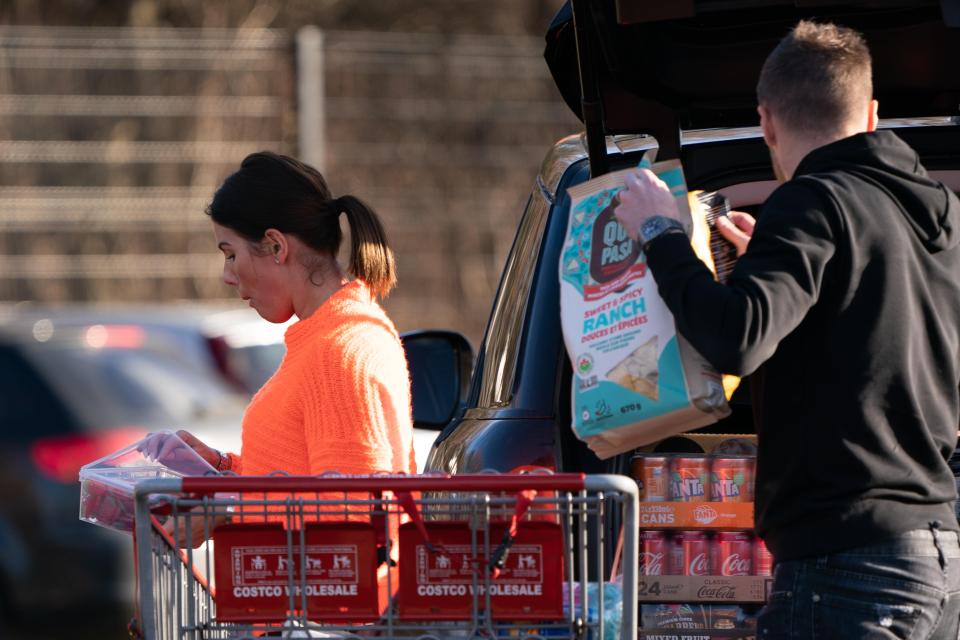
(716, 593)
(651, 564)
(699, 565)
(735, 565)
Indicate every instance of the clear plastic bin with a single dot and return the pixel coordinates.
(106, 485)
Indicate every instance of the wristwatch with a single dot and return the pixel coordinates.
(657, 226)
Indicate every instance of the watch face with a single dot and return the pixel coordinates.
(657, 225)
(652, 227)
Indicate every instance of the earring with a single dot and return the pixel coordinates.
(276, 259)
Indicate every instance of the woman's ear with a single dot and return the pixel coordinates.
(277, 245)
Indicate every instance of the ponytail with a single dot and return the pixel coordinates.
(371, 258)
(279, 192)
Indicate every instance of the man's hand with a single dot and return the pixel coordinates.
(737, 228)
(645, 196)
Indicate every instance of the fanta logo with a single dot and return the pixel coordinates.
(699, 565)
(704, 514)
(692, 487)
(726, 488)
(734, 565)
(651, 564)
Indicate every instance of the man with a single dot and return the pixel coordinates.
(845, 308)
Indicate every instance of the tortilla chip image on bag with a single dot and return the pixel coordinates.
(635, 380)
(638, 371)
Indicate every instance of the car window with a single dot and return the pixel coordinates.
(254, 365)
(111, 387)
(502, 343)
(28, 408)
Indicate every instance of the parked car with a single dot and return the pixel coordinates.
(233, 343)
(79, 383)
(69, 395)
(680, 77)
(244, 350)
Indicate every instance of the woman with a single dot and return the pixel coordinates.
(340, 400)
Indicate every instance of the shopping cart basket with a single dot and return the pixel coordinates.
(388, 556)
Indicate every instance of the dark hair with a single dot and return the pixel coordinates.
(817, 77)
(275, 191)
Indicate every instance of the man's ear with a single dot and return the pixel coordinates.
(767, 126)
(872, 118)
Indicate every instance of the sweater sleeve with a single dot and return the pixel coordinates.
(737, 326)
(236, 462)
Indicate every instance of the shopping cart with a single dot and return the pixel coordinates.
(429, 556)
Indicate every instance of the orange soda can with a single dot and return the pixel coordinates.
(731, 479)
(690, 478)
(652, 473)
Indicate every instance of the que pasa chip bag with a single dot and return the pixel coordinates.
(635, 379)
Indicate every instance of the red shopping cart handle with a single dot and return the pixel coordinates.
(430, 482)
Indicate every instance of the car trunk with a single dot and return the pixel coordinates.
(685, 72)
(631, 66)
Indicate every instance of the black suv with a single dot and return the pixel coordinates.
(680, 76)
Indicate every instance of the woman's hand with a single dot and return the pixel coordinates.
(737, 228)
(178, 452)
(214, 458)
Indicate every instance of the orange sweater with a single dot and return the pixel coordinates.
(340, 400)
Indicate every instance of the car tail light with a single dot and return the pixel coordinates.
(60, 457)
(220, 351)
(114, 336)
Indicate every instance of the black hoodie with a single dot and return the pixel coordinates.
(846, 306)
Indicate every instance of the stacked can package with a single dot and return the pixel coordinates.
(635, 379)
(696, 621)
(699, 553)
(693, 478)
(670, 477)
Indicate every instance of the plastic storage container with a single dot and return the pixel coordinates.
(106, 485)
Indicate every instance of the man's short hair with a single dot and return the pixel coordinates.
(817, 77)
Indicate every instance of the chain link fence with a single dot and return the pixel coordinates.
(112, 141)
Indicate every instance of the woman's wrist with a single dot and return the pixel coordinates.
(224, 461)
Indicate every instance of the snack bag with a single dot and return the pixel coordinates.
(635, 379)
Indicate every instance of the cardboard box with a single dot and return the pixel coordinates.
(733, 443)
(696, 620)
(701, 589)
(670, 634)
(696, 515)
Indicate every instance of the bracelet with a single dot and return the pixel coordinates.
(219, 460)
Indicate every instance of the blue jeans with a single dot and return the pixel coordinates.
(908, 587)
